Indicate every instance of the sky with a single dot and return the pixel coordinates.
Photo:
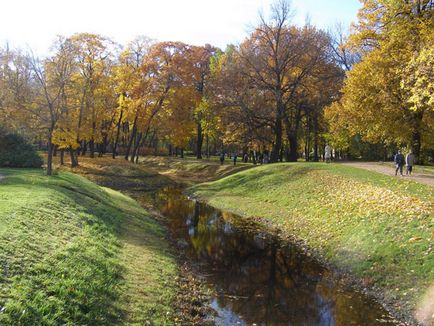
(35, 23)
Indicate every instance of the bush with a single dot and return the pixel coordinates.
(15, 151)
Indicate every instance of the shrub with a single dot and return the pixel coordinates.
(15, 151)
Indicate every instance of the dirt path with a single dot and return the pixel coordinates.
(426, 178)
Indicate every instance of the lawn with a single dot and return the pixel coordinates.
(76, 253)
(378, 227)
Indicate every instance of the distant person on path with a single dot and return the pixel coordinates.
(234, 158)
(409, 161)
(266, 158)
(399, 162)
(327, 153)
(222, 158)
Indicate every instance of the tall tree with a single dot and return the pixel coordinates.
(376, 105)
(51, 77)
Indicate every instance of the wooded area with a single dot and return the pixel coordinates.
(285, 90)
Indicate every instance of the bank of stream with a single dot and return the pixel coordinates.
(255, 277)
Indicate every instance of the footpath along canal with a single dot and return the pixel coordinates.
(255, 277)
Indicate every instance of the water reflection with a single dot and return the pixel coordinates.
(257, 278)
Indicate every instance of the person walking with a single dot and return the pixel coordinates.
(222, 158)
(266, 159)
(234, 158)
(399, 162)
(327, 153)
(409, 161)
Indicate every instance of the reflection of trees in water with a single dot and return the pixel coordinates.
(255, 277)
(272, 292)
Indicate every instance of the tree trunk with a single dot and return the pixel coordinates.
(315, 152)
(74, 159)
(92, 148)
(103, 146)
(50, 153)
(315, 140)
(277, 140)
(286, 153)
(156, 140)
(142, 143)
(207, 146)
(292, 139)
(182, 152)
(415, 145)
(416, 137)
(83, 148)
(199, 141)
(133, 136)
(292, 133)
(307, 140)
(62, 156)
(115, 145)
(136, 146)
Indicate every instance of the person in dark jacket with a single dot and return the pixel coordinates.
(222, 158)
(409, 161)
(399, 162)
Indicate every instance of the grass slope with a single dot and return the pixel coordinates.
(378, 226)
(75, 253)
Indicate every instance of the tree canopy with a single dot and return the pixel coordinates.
(284, 91)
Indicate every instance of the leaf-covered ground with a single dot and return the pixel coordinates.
(75, 253)
(377, 226)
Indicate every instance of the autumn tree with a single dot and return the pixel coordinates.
(376, 105)
(200, 63)
(244, 112)
(93, 57)
(17, 91)
(51, 77)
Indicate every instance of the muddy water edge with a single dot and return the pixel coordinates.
(255, 277)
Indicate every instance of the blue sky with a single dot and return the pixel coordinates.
(218, 22)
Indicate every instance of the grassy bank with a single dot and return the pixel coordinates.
(75, 253)
(379, 227)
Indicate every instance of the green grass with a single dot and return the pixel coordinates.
(75, 253)
(379, 227)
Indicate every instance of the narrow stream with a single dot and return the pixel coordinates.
(257, 278)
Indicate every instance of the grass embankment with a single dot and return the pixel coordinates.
(377, 226)
(75, 253)
(152, 172)
(190, 170)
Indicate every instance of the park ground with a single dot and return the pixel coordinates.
(374, 227)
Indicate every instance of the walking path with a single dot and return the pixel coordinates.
(421, 177)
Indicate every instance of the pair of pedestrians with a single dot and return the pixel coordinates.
(400, 160)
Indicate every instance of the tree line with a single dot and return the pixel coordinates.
(285, 89)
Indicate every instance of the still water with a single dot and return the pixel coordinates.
(259, 279)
